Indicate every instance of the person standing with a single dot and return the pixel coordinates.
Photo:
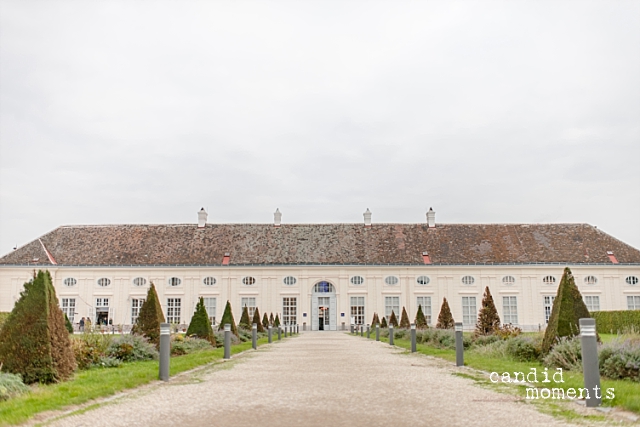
(82, 325)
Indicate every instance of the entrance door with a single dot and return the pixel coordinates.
(323, 307)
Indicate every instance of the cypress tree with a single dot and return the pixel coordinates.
(150, 317)
(393, 320)
(244, 319)
(227, 318)
(34, 341)
(200, 326)
(568, 309)
(488, 319)
(271, 319)
(445, 319)
(375, 321)
(67, 324)
(421, 320)
(404, 320)
(256, 320)
(276, 321)
(383, 324)
(265, 321)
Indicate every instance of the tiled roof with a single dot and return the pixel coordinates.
(264, 244)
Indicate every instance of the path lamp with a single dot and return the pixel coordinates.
(269, 332)
(377, 332)
(413, 338)
(165, 351)
(459, 346)
(368, 331)
(227, 341)
(390, 334)
(254, 336)
(361, 330)
(590, 365)
(279, 332)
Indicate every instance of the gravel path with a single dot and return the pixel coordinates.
(317, 379)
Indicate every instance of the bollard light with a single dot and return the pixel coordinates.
(254, 336)
(377, 332)
(269, 332)
(590, 365)
(390, 334)
(227, 341)
(413, 338)
(368, 331)
(459, 345)
(165, 351)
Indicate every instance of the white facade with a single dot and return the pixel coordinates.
(82, 293)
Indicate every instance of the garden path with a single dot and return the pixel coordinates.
(327, 379)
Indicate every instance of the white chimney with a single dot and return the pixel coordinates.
(431, 218)
(367, 218)
(202, 218)
(277, 218)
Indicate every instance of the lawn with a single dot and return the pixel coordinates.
(101, 382)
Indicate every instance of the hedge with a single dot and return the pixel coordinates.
(614, 322)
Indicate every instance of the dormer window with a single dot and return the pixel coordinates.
(549, 280)
(590, 280)
(174, 281)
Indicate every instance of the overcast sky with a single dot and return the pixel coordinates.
(491, 112)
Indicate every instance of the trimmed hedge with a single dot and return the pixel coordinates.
(617, 322)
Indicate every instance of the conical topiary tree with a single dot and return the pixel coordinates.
(271, 320)
(200, 326)
(568, 309)
(404, 320)
(445, 319)
(150, 317)
(393, 320)
(383, 324)
(244, 319)
(256, 320)
(265, 321)
(227, 318)
(34, 341)
(276, 321)
(67, 324)
(488, 319)
(375, 321)
(421, 321)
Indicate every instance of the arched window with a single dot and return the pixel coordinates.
(508, 280)
(139, 281)
(323, 288)
(209, 281)
(423, 280)
(591, 280)
(69, 281)
(104, 282)
(549, 280)
(468, 280)
(357, 280)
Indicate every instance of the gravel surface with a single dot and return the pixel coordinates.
(317, 379)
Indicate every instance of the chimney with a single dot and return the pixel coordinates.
(202, 218)
(367, 218)
(431, 218)
(277, 218)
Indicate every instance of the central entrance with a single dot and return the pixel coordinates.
(323, 307)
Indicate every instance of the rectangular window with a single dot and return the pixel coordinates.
(289, 310)
(548, 305)
(469, 312)
(173, 310)
(510, 310)
(102, 302)
(391, 304)
(136, 305)
(633, 302)
(210, 305)
(592, 302)
(69, 308)
(425, 303)
(357, 310)
(250, 302)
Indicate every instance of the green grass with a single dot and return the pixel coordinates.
(97, 383)
(627, 393)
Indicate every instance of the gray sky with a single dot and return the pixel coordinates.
(491, 112)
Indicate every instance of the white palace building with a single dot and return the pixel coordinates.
(325, 276)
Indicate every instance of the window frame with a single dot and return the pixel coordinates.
(424, 306)
(395, 303)
(469, 316)
(357, 309)
(174, 310)
(421, 279)
(289, 310)
(136, 305)
(251, 303)
(592, 302)
(69, 308)
(510, 309)
(356, 280)
(468, 280)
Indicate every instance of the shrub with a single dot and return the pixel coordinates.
(67, 324)
(265, 322)
(383, 324)
(244, 319)
(401, 334)
(107, 362)
(200, 326)
(484, 340)
(507, 331)
(488, 319)
(256, 320)
(445, 319)
(189, 345)
(568, 309)
(34, 341)
(11, 385)
(525, 348)
(220, 339)
(495, 350)
(404, 320)
(421, 321)
(566, 354)
(227, 318)
(150, 318)
(393, 320)
(617, 322)
(132, 348)
(89, 348)
(620, 359)
(3, 317)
